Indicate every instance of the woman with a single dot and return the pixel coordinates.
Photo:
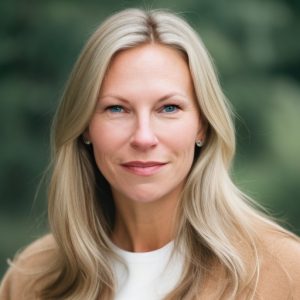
(141, 205)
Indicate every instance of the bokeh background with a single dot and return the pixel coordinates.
(256, 48)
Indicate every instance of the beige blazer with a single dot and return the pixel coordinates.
(279, 278)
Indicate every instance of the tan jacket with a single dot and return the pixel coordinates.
(279, 278)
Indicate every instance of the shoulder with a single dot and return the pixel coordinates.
(35, 254)
(280, 265)
(26, 268)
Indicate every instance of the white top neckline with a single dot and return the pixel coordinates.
(147, 275)
(144, 256)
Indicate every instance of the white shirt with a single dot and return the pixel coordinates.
(149, 275)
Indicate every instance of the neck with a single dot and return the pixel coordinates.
(142, 227)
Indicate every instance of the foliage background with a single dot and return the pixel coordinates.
(255, 45)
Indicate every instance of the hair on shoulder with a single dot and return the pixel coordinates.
(217, 223)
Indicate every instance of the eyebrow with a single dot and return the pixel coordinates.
(163, 98)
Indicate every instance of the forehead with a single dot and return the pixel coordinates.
(148, 54)
(148, 68)
(149, 51)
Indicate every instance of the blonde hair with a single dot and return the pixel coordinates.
(216, 223)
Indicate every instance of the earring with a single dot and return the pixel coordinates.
(199, 143)
(87, 142)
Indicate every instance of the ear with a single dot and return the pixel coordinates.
(86, 137)
(201, 135)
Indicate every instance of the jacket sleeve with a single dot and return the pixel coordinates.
(5, 286)
(280, 269)
(13, 284)
(17, 281)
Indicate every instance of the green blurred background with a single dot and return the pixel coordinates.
(256, 48)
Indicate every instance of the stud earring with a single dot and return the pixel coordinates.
(87, 142)
(199, 143)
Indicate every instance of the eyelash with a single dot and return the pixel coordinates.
(171, 105)
(121, 109)
(111, 107)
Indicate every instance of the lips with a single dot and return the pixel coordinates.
(143, 168)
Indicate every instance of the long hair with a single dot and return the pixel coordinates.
(216, 223)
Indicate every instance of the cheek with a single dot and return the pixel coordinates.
(184, 144)
(183, 137)
(106, 138)
(103, 143)
(186, 154)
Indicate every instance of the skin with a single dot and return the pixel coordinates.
(146, 112)
(146, 204)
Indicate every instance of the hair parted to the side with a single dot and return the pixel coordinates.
(215, 222)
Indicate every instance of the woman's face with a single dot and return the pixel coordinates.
(145, 125)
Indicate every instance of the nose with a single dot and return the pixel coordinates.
(143, 136)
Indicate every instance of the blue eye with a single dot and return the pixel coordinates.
(170, 108)
(115, 109)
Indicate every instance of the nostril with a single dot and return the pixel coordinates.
(144, 138)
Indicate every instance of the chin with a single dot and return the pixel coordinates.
(145, 197)
(142, 195)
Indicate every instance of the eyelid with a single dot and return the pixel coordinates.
(181, 102)
(110, 107)
(177, 106)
